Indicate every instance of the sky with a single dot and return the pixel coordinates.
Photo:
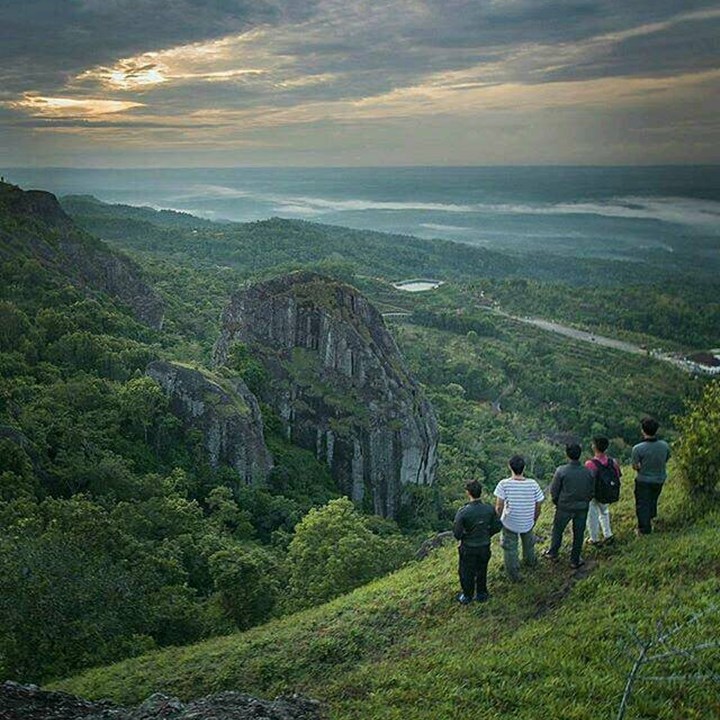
(187, 83)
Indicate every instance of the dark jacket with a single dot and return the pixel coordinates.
(475, 523)
(572, 487)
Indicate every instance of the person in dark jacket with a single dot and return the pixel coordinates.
(571, 491)
(475, 523)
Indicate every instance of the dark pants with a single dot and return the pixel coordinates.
(472, 569)
(562, 518)
(646, 500)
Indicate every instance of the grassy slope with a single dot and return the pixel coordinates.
(557, 646)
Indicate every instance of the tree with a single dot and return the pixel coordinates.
(698, 450)
(14, 326)
(249, 368)
(247, 582)
(333, 551)
(142, 402)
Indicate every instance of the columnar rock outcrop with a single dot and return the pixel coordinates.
(339, 384)
(224, 411)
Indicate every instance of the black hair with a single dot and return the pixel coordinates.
(573, 451)
(601, 443)
(650, 426)
(517, 464)
(474, 488)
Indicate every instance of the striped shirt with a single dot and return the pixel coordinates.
(520, 497)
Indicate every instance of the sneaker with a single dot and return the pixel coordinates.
(609, 540)
(550, 555)
(575, 565)
(593, 543)
(463, 599)
(482, 597)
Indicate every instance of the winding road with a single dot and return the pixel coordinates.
(577, 334)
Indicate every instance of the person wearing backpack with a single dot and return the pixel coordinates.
(475, 523)
(606, 474)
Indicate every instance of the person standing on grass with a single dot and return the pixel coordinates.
(571, 490)
(606, 475)
(475, 523)
(518, 501)
(649, 458)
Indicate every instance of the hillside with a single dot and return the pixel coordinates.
(35, 229)
(124, 532)
(139, 504)
(560, 645)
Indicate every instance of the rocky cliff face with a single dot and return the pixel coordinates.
(338, 383)
(33, 224)
(224, 411)
(28, 702)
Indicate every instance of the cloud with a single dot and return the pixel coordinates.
(45, 42)
(226, 71)
(58, 107)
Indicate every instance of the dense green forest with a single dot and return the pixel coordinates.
(118, 536)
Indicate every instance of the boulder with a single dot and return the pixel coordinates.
(29, 702)
(338, 383)
(224, 411)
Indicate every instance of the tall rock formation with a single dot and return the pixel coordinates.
(339, 384)
(224, 411)
(33, 225)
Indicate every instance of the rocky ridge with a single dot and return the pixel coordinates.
(338, 383)
(32, 224)
(28, 702)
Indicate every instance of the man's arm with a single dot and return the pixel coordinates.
(537, 510)
(499, 506)
(495, 524)
(635, 459)
(458, 528)
(556, 486)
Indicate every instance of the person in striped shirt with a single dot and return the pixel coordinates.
(518, 501)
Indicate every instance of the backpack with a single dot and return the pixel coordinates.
(607, 482)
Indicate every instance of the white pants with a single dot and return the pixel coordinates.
(599, 515)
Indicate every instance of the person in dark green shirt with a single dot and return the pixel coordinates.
(475, 523)
(649, 458)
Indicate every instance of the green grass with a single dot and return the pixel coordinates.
(559, 645)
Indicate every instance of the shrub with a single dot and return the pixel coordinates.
(698, 450)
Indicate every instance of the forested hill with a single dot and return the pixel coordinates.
(127, 523)
(253, 247)
(676, 296)
(381, 254)
(35, 230)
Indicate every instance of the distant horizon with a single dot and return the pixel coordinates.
(500, 205)
(10, 168)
